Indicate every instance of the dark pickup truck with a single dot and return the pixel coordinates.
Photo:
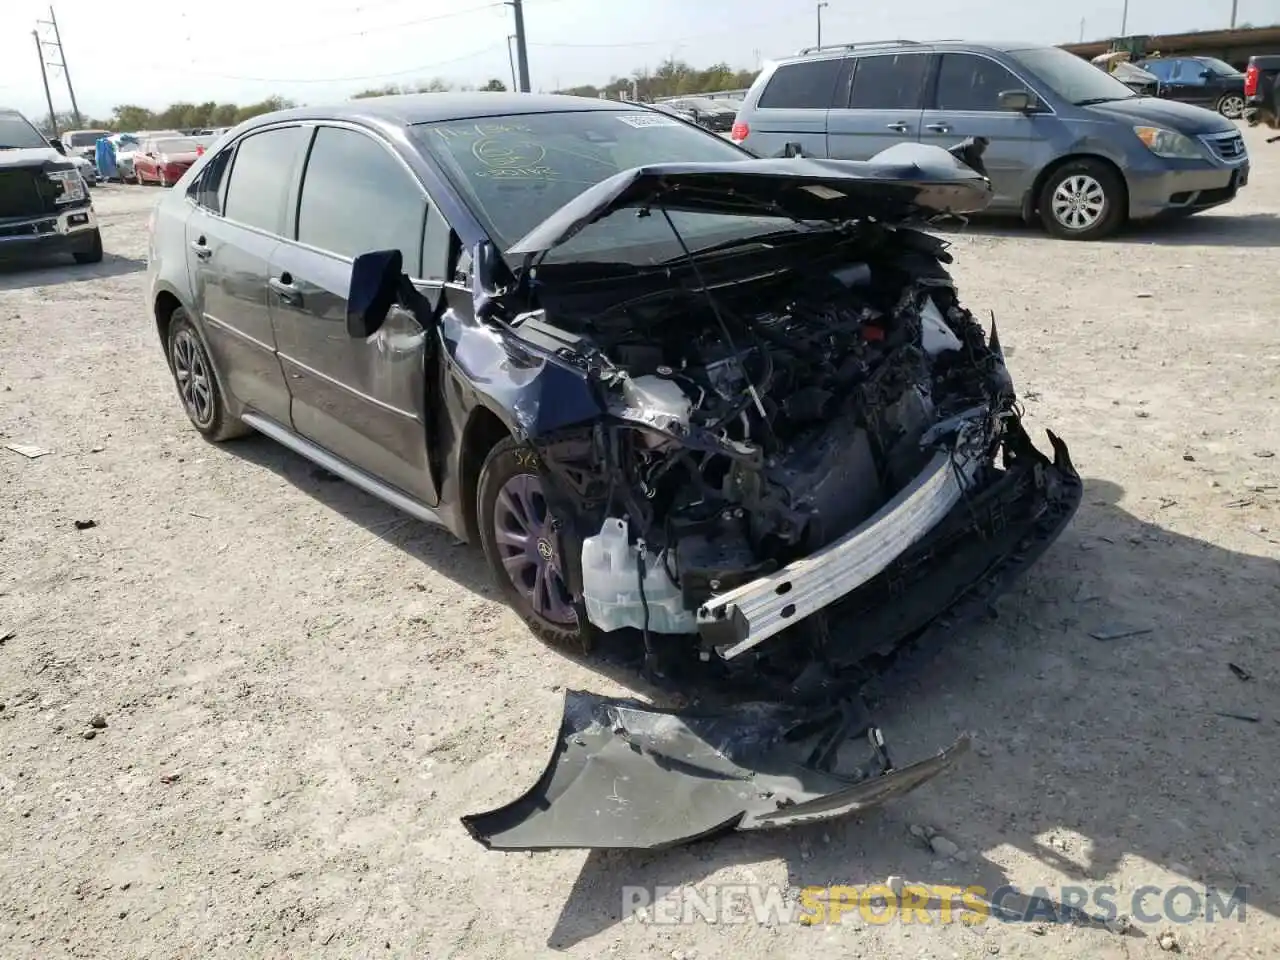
(44, 201)
(1261, 91)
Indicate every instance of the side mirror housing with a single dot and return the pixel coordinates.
(1017, 101)
(375, 282)
(791, 150)
(57, 145)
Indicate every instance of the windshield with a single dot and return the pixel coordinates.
(516, 171)
(83, 138)
(185, 145)
(1070, 77)
(1220, 67)
(17, 133)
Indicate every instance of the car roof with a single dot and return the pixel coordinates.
(896, 46)
(412, 108)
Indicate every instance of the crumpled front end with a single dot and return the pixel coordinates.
(625, 775)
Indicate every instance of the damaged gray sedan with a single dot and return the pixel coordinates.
(732, 407)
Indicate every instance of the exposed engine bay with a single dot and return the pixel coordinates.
(757, 422)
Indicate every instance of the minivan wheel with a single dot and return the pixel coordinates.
(197, 385)
(525, 550)
(1231, 106)
(1082, 200)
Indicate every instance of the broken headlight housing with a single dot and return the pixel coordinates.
(71, 185)
(1169, 143)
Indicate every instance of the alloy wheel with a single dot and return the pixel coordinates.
(192, 371)
(526, 540)
(1079, 202)
(1231, 107)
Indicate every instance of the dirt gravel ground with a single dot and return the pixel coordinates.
(303, 691)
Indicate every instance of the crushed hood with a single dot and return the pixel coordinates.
(906, 181)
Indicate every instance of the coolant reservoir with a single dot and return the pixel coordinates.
(611, 585)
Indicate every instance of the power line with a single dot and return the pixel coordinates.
(372, 76)
(665, 41)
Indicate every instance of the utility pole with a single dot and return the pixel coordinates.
(1235, 4)
(824, 3)
(53, 120)
(511, 58)
(1124, 20)
(522, 46)
(62, 62)
(1082, 29)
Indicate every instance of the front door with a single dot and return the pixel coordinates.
(1189, 84)
(884, 106)
(231, 233)
(362, 399)
(965, 102)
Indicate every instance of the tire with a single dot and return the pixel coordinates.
(161, 180)
(202, 400)
(1231, 106)
(94, 253)
(520, 571)
(1086, 181)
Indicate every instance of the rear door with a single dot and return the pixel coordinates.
(793, 108)
(964, 101)
(240, 200)
(884, 105)
(1188, 84)
(362, 399)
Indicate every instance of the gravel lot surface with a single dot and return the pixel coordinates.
(294, 693)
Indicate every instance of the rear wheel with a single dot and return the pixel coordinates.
(522, 543)
(161, 179)
(1082, 200)
(1231, 106)
(198, 389)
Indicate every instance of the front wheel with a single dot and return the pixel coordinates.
(1231, 106)
(524, 548)
(1082, 200)
(93, 252)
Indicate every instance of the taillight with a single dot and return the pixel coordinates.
(1251, 80)
(739, 132)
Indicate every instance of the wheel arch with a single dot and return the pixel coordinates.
(484, 430)
(1030, 204)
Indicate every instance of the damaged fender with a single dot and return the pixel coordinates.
(626, 775)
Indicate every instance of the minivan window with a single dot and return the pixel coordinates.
(969, 82)
(356, 198)
(805, 85)
(888, 82)
(1073, 79)
(261, 176)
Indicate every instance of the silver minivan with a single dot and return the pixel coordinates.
(1067, 142)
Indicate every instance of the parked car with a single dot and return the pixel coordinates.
(1262, 92)
(1069, 143)
(681, 112)
(44, 201)
(707, 113)
(1203, 81)
(164, 160)
(87, 170)
(82, 143)
(128, 146)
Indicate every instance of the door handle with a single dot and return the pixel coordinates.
(283, 286)
(938, 127)
(202, 251)
(897, 127)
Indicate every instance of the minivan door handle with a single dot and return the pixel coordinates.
(201, 248)
(897, 127)
(283, 286)
(938, 127)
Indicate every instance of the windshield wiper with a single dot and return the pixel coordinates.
(1090, 101)
(755, 240)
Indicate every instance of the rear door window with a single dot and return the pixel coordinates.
(262, 176)
(889, 82)
(970, 82)
(357, 198)
(210, 187)
(806, 85)
(1162, 70)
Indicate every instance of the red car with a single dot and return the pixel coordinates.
(165, 159)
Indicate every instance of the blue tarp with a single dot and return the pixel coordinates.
(105, 158)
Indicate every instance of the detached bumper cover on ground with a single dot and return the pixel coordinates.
(626, 775)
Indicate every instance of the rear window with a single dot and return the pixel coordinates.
(84, 138)
(806, 85)
(176, 146)
(889, 82)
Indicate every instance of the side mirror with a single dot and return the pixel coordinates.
(1016, 101)
(792, 150)
(375, 282)
(1206, 74)
(57, 145)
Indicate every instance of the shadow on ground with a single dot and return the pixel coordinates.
(52, 270)
(1204, 230)
(1090, 752)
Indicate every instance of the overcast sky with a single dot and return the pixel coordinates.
(317, 50)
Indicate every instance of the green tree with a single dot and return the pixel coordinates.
(495, 85)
